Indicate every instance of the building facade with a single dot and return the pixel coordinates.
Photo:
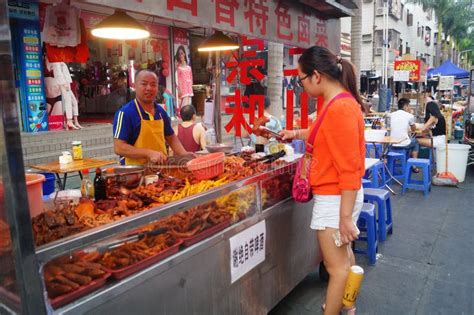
(411, 30)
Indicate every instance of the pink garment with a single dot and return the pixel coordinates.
(185, 81)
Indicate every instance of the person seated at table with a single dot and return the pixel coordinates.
(401, 121)
(434, 122)
(191, 134)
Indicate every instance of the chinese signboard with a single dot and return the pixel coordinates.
(413, 66)
(446, 83)
(247, 250)
(267, 19)
(27, 46)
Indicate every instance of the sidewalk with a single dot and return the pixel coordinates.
(426, 266)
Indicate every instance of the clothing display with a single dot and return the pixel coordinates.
(78, 53)
(61, 26)
(64, 80)
(184, 81)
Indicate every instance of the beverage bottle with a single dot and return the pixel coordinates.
(353, 283)
(87, 189)
(100, 192)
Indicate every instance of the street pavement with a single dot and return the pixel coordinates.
(425, 267)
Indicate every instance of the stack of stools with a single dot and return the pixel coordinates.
(381, 198)
(424, 184)
(368, 227)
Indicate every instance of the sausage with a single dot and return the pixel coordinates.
(73, 268)
(56, 289)
(82, 280)
(66, 281)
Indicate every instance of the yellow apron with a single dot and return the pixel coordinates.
(151, 136)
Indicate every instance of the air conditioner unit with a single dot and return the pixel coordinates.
(379, 11)
(366, 38)
(378, 50)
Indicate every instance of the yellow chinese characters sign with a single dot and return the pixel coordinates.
(414, 66)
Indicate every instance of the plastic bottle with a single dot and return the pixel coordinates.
(100, 192)
(87, 189)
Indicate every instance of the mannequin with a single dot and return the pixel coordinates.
(64, 80)
(184, 78)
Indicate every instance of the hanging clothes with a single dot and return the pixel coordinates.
(61, 26)
(80, 53)
(184, 81)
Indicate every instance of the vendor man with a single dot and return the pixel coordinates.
(142, 127)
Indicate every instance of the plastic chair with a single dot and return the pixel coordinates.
(367, 226)
(366, 183)
(373, 147)
(423, 185)
(376, 174)
(381, 198)
(396, 164)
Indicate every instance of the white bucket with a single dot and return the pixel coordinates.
(457, 159)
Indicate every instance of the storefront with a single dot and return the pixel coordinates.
(245, 244)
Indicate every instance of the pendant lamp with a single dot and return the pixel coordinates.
(120, 26)
(218, 42)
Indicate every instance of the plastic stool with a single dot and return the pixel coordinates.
(425, 184)
(376, 174)
(373, 147)
(400, 150)
(381, 198)
(366, 183)
(367, 224)
(396, 164)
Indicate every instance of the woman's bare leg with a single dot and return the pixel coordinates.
(338, 262)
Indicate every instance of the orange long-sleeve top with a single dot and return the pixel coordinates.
(338, 161)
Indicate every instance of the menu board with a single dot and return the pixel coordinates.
(29, 66)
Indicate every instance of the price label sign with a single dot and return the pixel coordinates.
(446, 83)
(401, 76)
(247, 250)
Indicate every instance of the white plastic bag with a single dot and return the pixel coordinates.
(61, 26)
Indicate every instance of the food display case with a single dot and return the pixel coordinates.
(169, 252)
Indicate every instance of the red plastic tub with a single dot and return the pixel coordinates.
(129, 270)
(207, 166)
(34, 186)
(188, 241)
(81, 291)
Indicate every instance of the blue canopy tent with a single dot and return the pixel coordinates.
(448, 69)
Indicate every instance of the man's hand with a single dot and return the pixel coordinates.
(348, 230)
(156, 157)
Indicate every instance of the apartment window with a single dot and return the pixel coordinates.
(378, 42)
(418, 30)
(401, 14)
(409, 19)
(366, 38)
(427, 37)
(407, 49)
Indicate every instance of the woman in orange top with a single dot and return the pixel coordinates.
(337, 164)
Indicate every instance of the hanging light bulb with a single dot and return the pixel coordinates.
(218, 42)
(121, 26)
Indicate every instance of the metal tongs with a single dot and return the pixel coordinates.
(131, 238)
(268, 158)
(271, 132)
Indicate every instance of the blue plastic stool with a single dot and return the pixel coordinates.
(381, 198)
(400, 150)
(423, 185)
(373, 147)
(376, 174)
(396, 164)
(366, 183)
(368, 227)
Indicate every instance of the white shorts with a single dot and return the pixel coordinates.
(326, 210)
(439, 141)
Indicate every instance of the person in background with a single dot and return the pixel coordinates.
(434, 122)
(191, 134)
(167, 98)
(402, 122)
(142, 128)
(337, 165)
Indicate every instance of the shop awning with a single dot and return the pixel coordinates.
(448, 69)
(332, 8)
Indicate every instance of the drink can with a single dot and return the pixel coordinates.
(298, 146)
(354, 281)
(77, 150)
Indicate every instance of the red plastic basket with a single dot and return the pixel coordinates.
(188, 241)
(207, 166)
(129, 270)
(80, 292)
